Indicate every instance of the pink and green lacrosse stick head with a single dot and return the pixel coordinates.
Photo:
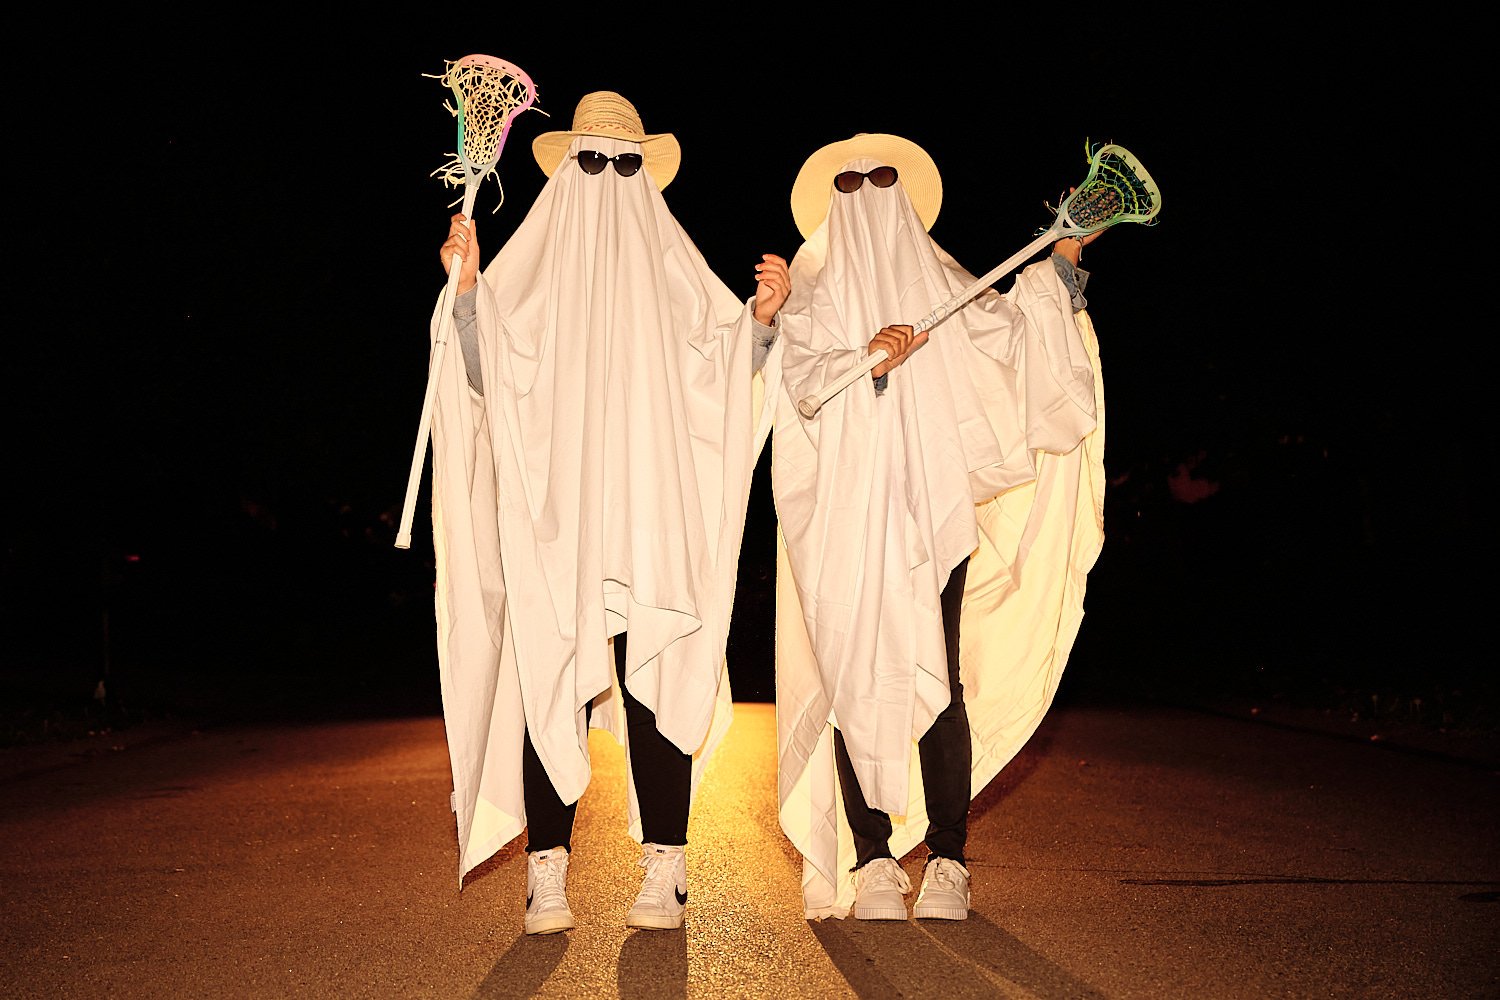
(488, 94)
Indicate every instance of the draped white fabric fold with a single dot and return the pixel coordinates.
(986, 444)
(598, 485)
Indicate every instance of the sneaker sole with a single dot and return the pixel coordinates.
(940, 913)
(653, 921)
(550, 925)
(879, 913)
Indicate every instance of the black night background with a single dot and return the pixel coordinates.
(224, 251)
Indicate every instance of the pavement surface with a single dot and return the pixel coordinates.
(1129, 851)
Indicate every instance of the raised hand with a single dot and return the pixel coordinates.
(773, 283)
(462, 240)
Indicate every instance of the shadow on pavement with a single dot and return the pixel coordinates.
(950, 958)
(654, 964)
(525, 967)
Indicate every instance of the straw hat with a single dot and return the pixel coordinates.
(606, 113)
(918, 175)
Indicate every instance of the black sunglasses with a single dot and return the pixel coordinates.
(850, 181)
(592, 161)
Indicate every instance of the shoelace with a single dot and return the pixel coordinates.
(659, 885)
(550, 892)
(944, 871)
(883, 874)
(942, 876)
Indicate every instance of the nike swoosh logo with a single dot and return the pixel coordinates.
(528, 901)
(681, 897)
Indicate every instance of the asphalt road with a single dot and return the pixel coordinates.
(1128, 852)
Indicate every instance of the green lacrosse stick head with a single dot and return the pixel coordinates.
(1117, 189)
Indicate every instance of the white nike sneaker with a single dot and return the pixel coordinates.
(547, 892)
(880, 889)
(945, 891)
(663, 898)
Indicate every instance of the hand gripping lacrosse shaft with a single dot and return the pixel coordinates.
(1117, 189)
(490, 92)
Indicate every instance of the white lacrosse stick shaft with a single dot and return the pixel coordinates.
(434, 365)
(809, 405)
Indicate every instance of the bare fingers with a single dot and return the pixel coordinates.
(772, 271)
(897, 342)
(459, 241)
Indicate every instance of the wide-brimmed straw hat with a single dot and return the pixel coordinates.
(915, 169)
(606, 113)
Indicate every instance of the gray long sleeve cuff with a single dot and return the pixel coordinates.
(761, 339)
(465, 314)
(1074, 277)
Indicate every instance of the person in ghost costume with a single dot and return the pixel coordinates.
(937, 522)
(593, 442)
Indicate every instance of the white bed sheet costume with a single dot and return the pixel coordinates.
(986, 443)
(600, 482)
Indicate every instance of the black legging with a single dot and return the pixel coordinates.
(946, 754)
(663, 781)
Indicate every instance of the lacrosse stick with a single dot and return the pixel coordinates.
(1116, 189)
(490, 93)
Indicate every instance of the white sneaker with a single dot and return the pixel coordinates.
(547, 892)
(880, 889)
(945, 891)
(663, 898)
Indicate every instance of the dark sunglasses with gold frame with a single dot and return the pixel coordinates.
(851, 181)
(591, 161)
